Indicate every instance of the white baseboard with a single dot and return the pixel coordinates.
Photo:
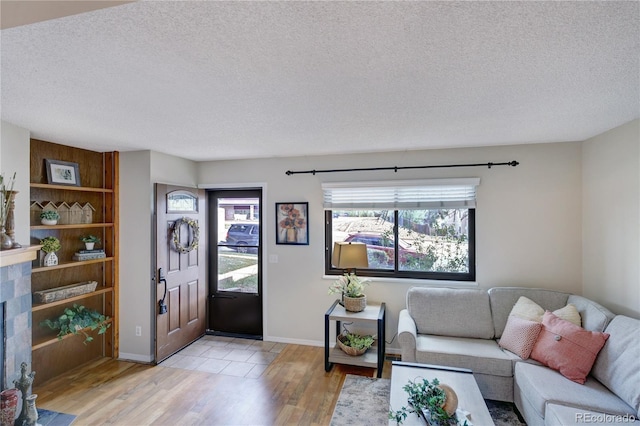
(293, 341)
(388, 350)
(135, 357)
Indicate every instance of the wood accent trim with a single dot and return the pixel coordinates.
(41, 306)
(19, 255)
(72, 264)
(70, 188)
(112, 177)
(74, 226)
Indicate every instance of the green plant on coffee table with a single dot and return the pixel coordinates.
(76, 320)
(49, 215)
(425, 399)
(50, 244)
(90, 239)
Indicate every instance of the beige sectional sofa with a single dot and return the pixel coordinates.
(461, 328)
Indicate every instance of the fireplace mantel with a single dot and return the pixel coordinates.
(19, 255)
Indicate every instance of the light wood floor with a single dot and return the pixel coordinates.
(294, 390)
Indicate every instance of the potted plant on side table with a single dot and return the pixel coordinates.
(351, 287)
(354, 344)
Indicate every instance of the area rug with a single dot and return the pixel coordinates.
(53, 418)
(365, 401)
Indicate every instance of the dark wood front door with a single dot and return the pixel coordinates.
(181, 291)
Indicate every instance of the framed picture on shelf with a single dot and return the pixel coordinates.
(292, 223)
(62, 172)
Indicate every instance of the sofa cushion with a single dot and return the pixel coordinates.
(565, 347)
(595, 317)
(618, 363)
(504, 298)
(526, 308)
(539, 385)
(520, 335)
(478, 355)
(557, 414)
(451, 312)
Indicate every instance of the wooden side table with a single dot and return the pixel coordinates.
(374, 357)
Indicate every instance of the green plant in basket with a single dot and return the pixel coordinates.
(76, 320)
(50, 244)
(356, 341)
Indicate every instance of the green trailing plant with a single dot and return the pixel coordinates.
(50, 244)
(426, 400)
(90, 239)
(49, 215)
(76, 320)
(356, 341)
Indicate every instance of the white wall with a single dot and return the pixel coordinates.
(138, 172)
(528, 224)
(611, 219)
(136, 216)
(14, 157)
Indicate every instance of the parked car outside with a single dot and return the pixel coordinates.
(380, 249)
(242, 236)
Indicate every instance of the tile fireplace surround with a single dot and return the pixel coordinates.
(15, 298)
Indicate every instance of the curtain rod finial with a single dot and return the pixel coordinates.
(513, 163)
(288, 173)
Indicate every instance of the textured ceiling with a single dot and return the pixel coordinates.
(211, 80)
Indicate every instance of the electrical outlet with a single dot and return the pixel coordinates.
(138, 330)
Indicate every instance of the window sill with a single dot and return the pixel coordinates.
(414, 281)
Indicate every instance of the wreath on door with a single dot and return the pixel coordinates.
(195, 231)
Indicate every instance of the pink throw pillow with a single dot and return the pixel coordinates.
(520, 335)
(567, 348)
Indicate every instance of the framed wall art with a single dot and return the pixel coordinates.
(292, 223)
(62, 172)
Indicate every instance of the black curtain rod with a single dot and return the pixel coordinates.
(396, 168)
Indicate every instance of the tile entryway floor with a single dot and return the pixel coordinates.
(226, 355)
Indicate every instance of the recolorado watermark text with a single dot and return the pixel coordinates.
(604, 418)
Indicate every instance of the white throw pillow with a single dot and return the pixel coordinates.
(526, 308)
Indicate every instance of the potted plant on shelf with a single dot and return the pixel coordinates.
(50, 245)
(354, 344)
(49, 217)
(89, 241)
(76, 320)
(351, 287)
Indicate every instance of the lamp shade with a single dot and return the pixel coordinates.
(350, 255)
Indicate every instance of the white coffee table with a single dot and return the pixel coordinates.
(461, 380)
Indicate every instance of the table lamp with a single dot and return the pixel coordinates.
(350, 256)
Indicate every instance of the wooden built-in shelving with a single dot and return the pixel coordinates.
(98, 174)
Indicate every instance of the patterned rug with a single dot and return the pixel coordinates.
(365, 401)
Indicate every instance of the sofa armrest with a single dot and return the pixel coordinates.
(407, 336)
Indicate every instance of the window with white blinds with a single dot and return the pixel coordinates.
(412, 228)
(410, 194)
